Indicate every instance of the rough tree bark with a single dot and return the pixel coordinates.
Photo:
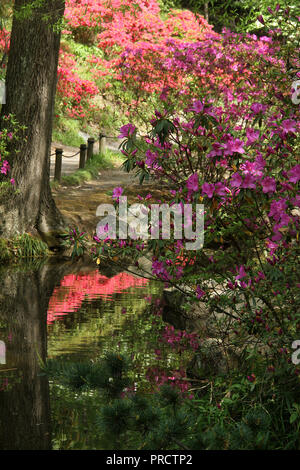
(30, 93)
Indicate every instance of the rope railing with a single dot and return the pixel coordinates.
(86, 151)
(71, 156)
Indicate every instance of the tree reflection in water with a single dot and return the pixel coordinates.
(25, 422)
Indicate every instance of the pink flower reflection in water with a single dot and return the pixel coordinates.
(74, 288)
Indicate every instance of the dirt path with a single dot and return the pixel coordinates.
(70, 165)
(79, 204)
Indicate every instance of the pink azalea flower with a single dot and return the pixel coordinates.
(236, 180)
(288, 125)
(268, 185)
(249, 182)
(199, 292)
(117, 192)
(208, 189)
(193, 182)
(198, 106)
(242, 273)
(252, 136)
(296, 200)
(277, 209)
(220, 189)
(234, 146)
(294, 174)
(127, 131)
(151, 157)
(257, 108)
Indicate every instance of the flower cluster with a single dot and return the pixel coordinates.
(74, 92)
(229, 138)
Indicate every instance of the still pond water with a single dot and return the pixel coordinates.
(71, 313)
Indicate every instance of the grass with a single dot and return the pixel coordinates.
(23, 247)
(66, 132)
(107, 161)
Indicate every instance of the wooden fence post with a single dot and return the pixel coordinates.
(90, 150)
(102, 144)
(58, 164)
(82, 159)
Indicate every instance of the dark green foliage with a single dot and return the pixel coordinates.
(253, 432)
(107, 375)
(114, 418)
(170, 395)
(232, 14)
(128, 419)
(216, 438)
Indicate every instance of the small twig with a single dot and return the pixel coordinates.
(180, 444)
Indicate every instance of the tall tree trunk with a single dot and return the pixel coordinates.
(30, 93)
(206, 15)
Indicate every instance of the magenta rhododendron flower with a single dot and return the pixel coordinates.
(127, 131)
(198, 106)
(234, 146)
(150, 158)
(296, 200)
(164, 94)
(257, 108)
(249, 182)
(221, 189)
(193, 182)
(208, 189)
(241, 273)
(236, 180)
(217, 150)
(253, 168)
(294, 174)
(277, 209)
(158, 268)
(288, 125)
(5, 169)
(199, 292)
(268, 184)
(260, 19)
(117, 192)
(252, 136)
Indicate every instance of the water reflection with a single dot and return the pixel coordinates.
(24, 395)
(74, 288)
(56, 310)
